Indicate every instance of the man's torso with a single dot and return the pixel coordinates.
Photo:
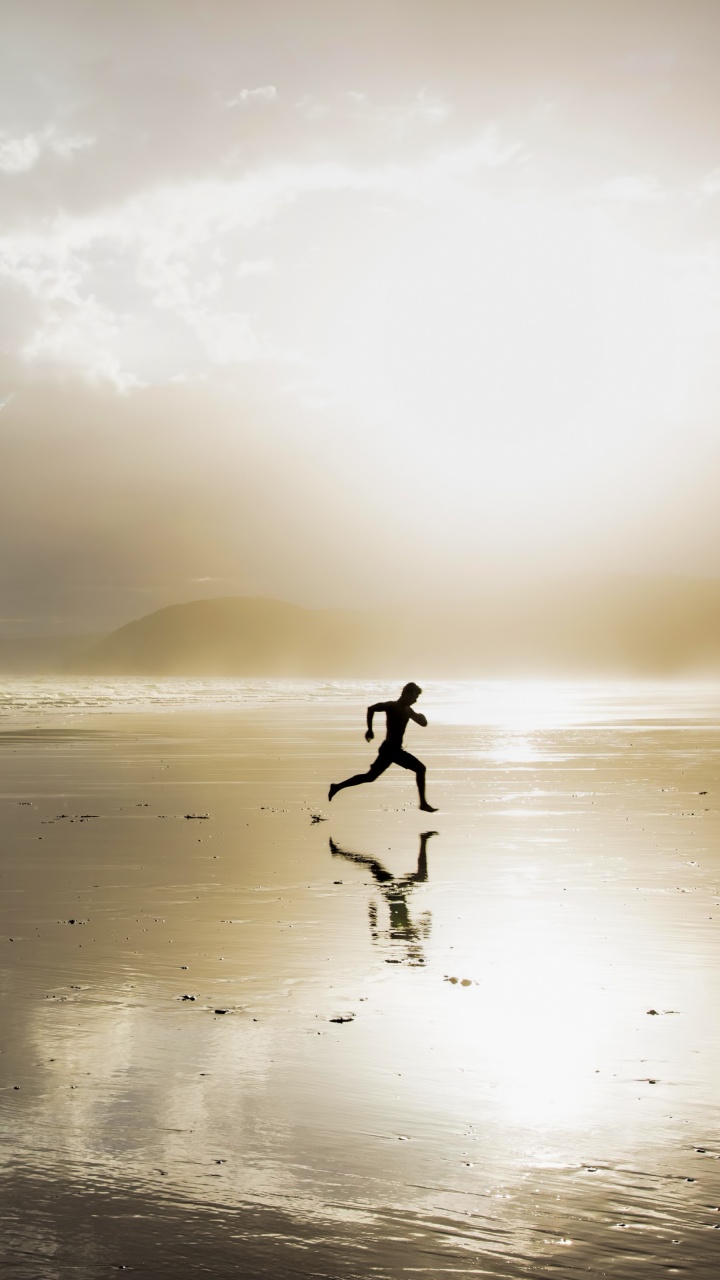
(397, 717)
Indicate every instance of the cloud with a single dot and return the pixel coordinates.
(418, 108)
(177, 255)
(254, 267)
(228, 337)
(268, 93)
(652, 61)
(18, 155)
(489, 150)
(635, 188)
(85, 338)
(710, 184)
(311, 109)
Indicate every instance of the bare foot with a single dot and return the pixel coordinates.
(427, 808)
(332, 790)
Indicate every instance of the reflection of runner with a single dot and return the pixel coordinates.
(405, 935)
(391, 750)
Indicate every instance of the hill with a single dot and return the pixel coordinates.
(606, 625)
(233, 636)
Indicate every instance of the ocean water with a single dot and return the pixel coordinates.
(247, 1032)
(539, 703)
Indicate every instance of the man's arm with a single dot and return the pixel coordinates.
(418, 717)
(377, 706)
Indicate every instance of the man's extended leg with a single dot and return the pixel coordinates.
(411, 762)
(377, 767)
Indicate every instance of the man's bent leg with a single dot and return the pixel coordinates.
(377, 767)
(409, 761)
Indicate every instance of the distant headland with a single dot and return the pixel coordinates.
(613, 625)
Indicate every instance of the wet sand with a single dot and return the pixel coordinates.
(293, 1038)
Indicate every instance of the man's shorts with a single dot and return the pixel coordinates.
(388, 754)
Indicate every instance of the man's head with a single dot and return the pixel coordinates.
(410, 694)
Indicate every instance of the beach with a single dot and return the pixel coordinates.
(248, 1032)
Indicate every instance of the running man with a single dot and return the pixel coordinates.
(391, 751)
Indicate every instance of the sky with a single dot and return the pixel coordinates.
(350, 301)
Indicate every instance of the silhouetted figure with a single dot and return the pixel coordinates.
(395, 889)
(391, 750)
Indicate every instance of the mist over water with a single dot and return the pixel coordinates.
(246, 1029)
